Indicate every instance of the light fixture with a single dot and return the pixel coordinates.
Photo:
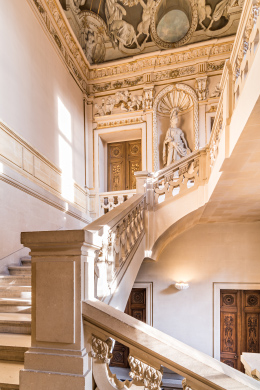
(181, 286)
(148, 253)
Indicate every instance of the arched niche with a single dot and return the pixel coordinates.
(175, 95)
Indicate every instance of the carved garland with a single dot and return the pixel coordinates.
(159, 97)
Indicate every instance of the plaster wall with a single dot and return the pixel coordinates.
(25, 206)
(39, 99)
(203, 255)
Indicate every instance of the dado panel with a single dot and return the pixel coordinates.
(21, 156)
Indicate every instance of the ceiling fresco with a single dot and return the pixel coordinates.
(112, 29)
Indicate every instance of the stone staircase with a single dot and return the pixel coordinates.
(15, 322)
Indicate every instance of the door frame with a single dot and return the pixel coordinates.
(111, 135)
(217, 286)
(149, 299)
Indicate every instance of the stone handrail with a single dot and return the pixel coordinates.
(119, 233)
(235, 72)
(109, 200)
(151, 349)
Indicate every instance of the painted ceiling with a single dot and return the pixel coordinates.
(113, 29)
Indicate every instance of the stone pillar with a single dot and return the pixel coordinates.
(141, 179)
(62, 276)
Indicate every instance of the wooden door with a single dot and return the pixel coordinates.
(135, 307)
(239, 325)
(124, 159)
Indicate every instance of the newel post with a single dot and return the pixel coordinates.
(62, 276)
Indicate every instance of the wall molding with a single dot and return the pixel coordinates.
(30, 163)
(59, 204)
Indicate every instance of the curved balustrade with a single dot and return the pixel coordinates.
(110, 200)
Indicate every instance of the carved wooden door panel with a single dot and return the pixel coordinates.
(250, 321)
(230, 324)
(133, 163)
(116, 166)
(239, 325)
(124, 159)
(135, 307)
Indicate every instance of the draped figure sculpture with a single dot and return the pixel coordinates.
(175, 145)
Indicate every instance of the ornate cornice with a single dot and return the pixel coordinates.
(123, 73)
(183, 56)
(51, 16)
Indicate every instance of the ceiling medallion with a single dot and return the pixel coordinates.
(173, 23)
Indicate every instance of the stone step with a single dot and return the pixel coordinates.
(26, 260)
(19, 270)
(15, 305)
(23, 292)
(17, 280)
(9, 378)
(14, 346)
(15, 323)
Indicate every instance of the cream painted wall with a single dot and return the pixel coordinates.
(201, 256)
(32, 80)
(25, 206)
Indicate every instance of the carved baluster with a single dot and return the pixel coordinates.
(184, 385)
(142, 372)
(101, 350)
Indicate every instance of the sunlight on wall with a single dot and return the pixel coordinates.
(1, 168)
(64, 121)
(65, 152)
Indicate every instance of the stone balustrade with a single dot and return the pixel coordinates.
(121, 231)
(180, 176)
(103, 324)
(109, 200)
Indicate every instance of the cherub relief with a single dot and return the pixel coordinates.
(120, 31)
(144, 26)
(204, 12)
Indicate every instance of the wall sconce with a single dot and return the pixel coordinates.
(181, 286)
(147, 253)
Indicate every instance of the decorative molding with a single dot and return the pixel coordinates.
(62, 35)
(29, 162)
(118, 84)
(201, 86)
(161, 60)
(143, 372)
(42, 198)
(190, 91)
(119, 122)
(175, 73)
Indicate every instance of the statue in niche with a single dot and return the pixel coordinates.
(175, 145)
(120, 31)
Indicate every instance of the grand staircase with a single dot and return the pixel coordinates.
(15, 322)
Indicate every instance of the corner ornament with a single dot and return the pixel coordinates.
(140, 371)
(101, 350)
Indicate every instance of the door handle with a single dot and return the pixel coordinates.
(235, 357)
